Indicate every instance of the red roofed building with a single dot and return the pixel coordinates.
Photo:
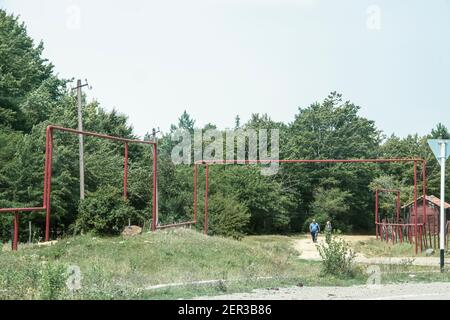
(433, 207)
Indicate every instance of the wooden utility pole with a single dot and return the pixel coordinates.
(80, 136)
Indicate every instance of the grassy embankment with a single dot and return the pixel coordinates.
(120, 268)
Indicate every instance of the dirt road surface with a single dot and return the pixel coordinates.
(308, 251)
(405, 291)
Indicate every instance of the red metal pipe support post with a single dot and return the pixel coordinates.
(125, 172)
(424, 190)
(49, 183)
(424, 195)
(16, 231)
(206, 198)
(195, 192)
(47, 134)
(155, 181)
(376, 214)
(415, 205)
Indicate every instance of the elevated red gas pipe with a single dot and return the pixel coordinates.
(48, 178)
(262, 161)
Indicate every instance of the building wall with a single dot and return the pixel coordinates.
(432, 217)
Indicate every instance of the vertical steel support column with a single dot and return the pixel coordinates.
(398, 206)
(415, 205)
(195, 192)
(125, 172)
(16, 231)
(155, 179)
(376, 214)
(47, 138)
(206, 198)
(424, 195)
(49, 185)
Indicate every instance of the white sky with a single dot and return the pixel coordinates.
(216, 59)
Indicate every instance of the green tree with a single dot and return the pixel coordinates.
(105, 212)
(440, 132)
(27, 84)
(331, 204)
(227, 216)
(331, 130)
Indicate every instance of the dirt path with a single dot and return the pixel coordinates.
(307, 248)
(404, 291)
(308, 251)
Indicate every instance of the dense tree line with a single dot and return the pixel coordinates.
(241, 200)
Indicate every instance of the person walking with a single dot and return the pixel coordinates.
(314, 229)
(328, 231)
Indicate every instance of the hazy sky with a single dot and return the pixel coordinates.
(153, 59)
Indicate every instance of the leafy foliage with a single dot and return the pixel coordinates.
(227, 216)
(331, 205)
(105, 212)
(337, 258)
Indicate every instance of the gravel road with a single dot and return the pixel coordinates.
(406, 291)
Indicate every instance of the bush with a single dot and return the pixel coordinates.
(337, 258)
(52, 281)
(227, 217)
(105, 212)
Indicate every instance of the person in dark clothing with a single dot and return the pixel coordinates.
(314, 229)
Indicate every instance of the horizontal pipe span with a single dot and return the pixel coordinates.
(305, 161)
(389, 190)
(175, 225)
(3, 210)
(399, 224)
(99, 135)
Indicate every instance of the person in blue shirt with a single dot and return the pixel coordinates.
(314, 228)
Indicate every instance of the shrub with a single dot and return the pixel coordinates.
(105, 212)
(337, 258)
(227, 217)
(52, 281)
